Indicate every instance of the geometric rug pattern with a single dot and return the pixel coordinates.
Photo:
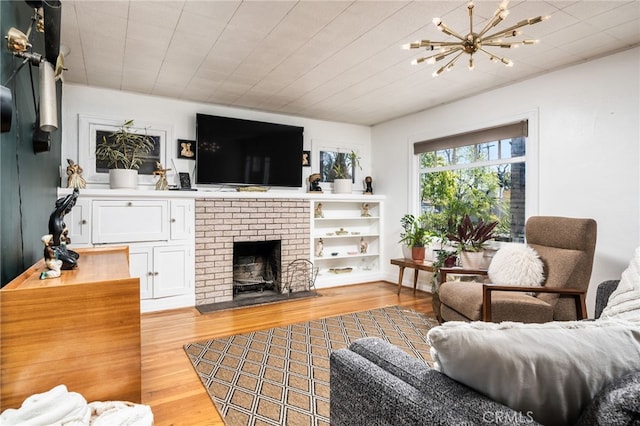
(280, 376)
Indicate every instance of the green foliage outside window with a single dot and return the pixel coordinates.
(459, 187)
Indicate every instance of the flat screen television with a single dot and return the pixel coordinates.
(245, 152)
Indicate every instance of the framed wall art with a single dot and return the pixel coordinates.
(92, 129)
(186, 149)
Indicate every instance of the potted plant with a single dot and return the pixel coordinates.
(124, 151)
(342, 168)
(471, 238)
(415, 235)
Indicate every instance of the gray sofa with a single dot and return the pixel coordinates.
(376, 383)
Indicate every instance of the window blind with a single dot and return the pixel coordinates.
(504, 131)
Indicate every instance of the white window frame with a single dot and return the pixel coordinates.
(532, 166)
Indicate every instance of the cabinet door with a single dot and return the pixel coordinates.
(141, 265)
(172, 271)
(77, 221)
(182, 219)
(130, 221)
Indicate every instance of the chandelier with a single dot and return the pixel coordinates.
(473, 42)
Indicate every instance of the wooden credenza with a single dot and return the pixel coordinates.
(81, 330)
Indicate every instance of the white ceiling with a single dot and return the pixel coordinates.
(329, 60)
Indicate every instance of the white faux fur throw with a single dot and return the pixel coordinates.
(59, 407)
(624, 302)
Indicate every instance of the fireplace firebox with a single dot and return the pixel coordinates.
(256, 268)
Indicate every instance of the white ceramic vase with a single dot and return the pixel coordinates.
(472, 259)
(342, 186)
(123, 179)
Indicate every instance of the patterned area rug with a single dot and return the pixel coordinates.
(280, 376)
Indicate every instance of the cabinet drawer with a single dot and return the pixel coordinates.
(130, 221)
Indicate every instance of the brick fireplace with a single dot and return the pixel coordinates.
(222, 221)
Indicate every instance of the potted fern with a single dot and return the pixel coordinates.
(471, 238)
(124, 151)
(342, 168)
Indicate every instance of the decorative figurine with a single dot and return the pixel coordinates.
(59, 232)
(318, 211)
(364, 246)
(74, 175)
(319, 248)
(53, 263)
(162, 183)
(365, 210)
(314, 182)
(368, 189)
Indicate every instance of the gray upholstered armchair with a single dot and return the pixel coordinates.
(566, 247)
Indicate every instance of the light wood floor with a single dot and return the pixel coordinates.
(169, 383)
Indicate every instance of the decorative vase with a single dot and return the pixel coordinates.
(417, 254)
(406, 251)
(471, 259)
(342, 186)
(123, 179)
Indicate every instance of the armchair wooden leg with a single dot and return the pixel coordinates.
(581, 306)
(486, 304)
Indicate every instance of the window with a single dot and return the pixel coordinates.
(481, 173)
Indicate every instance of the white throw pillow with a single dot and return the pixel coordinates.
(547, 371)
(516, 264)
(624, 302)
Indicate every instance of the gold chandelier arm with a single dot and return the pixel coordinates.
(437, 57)
(470, 9)
(508, 62)
(498, 44)
(448, 65)
(498, 16)
(502, 33)
(448, 31)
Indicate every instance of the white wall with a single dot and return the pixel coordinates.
(181, 117)
(588, 136)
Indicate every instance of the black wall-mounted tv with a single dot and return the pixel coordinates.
(245, 152)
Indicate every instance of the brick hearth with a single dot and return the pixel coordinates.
(221, 222)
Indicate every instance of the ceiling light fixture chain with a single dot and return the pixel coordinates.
(473, 42)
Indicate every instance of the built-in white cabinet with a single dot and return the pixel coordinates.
(78, 222)
(128, 221)
(161, 239)
(166, 273)
(346, 240)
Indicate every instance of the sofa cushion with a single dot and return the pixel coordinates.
(624, 302)
(551, 371)
(617, 404)
(516, 264)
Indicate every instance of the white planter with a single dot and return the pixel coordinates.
(342, 186)
(123, 179)
(406, 251)
(471, 260)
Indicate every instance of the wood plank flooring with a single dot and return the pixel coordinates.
(169, 383)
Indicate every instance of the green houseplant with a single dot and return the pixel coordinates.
(342, 168)
(124, 152)
(415, 234)
(471, 238)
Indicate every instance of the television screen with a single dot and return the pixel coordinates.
(245, 152)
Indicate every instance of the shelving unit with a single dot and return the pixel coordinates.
(340, 229)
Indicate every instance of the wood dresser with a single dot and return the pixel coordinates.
(81, 330)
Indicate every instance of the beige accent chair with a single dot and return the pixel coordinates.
(566, 247)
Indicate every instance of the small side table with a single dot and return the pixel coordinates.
(416, 266)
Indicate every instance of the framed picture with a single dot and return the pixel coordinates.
(306, 158)
(186, 149)
(91, 130)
